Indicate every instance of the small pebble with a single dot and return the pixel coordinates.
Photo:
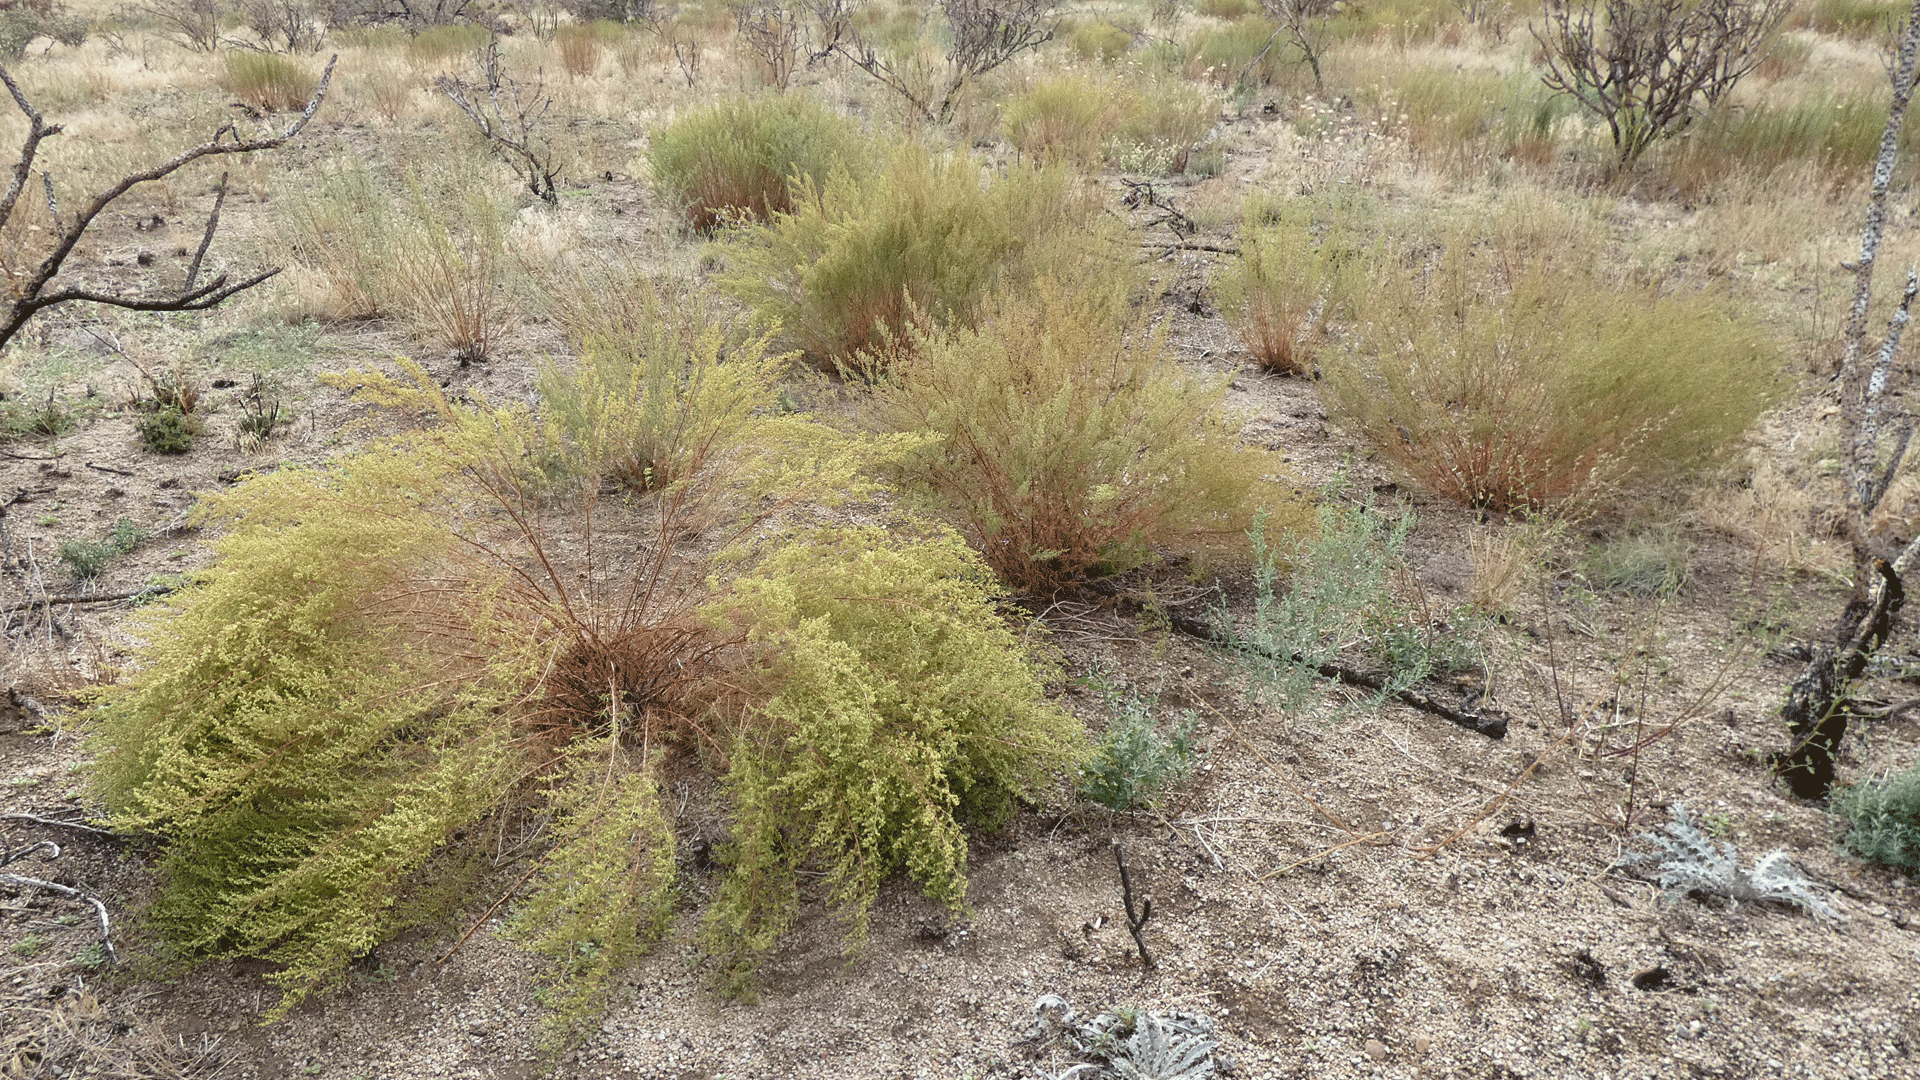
(1422, 1044)
(1376, 1050)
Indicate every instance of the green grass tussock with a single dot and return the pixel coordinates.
(273, 82)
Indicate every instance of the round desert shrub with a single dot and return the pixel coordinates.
(1069, 443)
(858, 260)
(896, 707)
(1509, 380)
(739, 159)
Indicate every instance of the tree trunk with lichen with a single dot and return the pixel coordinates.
(1819, 704)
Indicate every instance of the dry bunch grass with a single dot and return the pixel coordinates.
(78, 1035)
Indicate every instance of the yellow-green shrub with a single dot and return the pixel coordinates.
(607, 887)
(1070, 442)
(899, 706)
(1506, 379)
(309, 724)
(432, 630)
(1849, 18)
(383, 651)
(843, 272)
(657, 390)
(739, 159)
(1226, 9)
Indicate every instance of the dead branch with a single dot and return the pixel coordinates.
(1646, 67)
(108, 598)
(206, 238)
(1493, 727)
(22, 881)
(1818, 703)
(57, 823)
(1135, 922)
(35, 292)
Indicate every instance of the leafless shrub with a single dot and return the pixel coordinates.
(415, 15)
(509, 116)
(191, 24)
(622, 11)
(1304, 24)
(984, 34)
(295, 26)
(1875, 428)
(1647, 67)
(33, 288)
(773, 35)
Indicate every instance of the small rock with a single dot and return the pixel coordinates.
(1422, 1044)
(1376, 1050)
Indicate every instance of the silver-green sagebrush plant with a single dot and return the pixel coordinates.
(1133, 763)
(1344, 592)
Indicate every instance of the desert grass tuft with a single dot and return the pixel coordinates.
(273, 82)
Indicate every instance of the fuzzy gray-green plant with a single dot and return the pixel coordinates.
(1689, 861)
(1128, 1044)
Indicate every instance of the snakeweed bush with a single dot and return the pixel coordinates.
(860, 260)
(1508, 379)
(475, 618)
(896, 706)
(1068, 442)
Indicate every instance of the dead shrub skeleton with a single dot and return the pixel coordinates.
(33, 291)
